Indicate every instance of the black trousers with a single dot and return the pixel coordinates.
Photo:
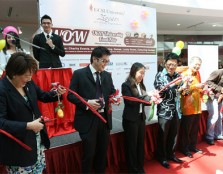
(189, 130)
(134, 132)
(95, 144)
(167, 137)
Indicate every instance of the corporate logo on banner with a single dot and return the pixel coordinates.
(106, 15)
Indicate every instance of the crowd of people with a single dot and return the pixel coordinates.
(180, 108)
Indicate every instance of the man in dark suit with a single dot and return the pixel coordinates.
(95, 86)
(51, 46)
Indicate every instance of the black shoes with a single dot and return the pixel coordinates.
(196, 150)
(188, 154)
(209, 141)
(175, 159)
(165, 164)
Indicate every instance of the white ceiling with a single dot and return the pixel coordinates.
(193, 21)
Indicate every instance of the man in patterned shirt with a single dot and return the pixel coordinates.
(168, 111)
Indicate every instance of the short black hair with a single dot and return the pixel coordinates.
(171, 56)
(45, 17)
(19, 63)
(99, 52)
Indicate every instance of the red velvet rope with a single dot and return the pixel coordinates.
(16, 140)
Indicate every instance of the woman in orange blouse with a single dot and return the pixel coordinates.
(191, 108)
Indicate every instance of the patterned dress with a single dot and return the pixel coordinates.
(40, 164)
(37, 168)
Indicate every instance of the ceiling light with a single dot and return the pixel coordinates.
(214, 25)
(178, 24)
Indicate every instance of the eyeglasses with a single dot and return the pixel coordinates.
(171, 65)
(46, 23)
(103, 61)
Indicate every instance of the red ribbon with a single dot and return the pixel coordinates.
(86, 103)
(136, 100)
(113, 99)
(16, 140)
(46, 119)
(149, 103)
(174, 81)
(55, 86)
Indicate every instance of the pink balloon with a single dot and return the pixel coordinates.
(9, 29)
(134, 24)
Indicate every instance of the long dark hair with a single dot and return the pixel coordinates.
(131, 78)
(17, 42)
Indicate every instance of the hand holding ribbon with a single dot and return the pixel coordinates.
(57, 84)
(114, 99)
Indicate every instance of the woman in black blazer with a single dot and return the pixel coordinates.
(134, 118)
(20, 116)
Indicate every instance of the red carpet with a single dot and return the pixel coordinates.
(210, 162)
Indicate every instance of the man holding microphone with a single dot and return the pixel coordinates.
(51, 46)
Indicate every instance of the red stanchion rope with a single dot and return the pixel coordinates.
(16, 140)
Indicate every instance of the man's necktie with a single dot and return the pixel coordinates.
(48, 36)
(99, 94)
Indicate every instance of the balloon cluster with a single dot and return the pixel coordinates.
(178, 48)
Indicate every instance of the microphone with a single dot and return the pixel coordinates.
(48, 36)
(14, 42)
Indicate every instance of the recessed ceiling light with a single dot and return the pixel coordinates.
(178, 24)
(214, 25)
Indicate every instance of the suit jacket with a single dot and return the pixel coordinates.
(49, 57)
(215, 81)
(131, 109)
(84, 84)
(14, 115)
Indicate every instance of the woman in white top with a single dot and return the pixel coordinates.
(12, 46)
